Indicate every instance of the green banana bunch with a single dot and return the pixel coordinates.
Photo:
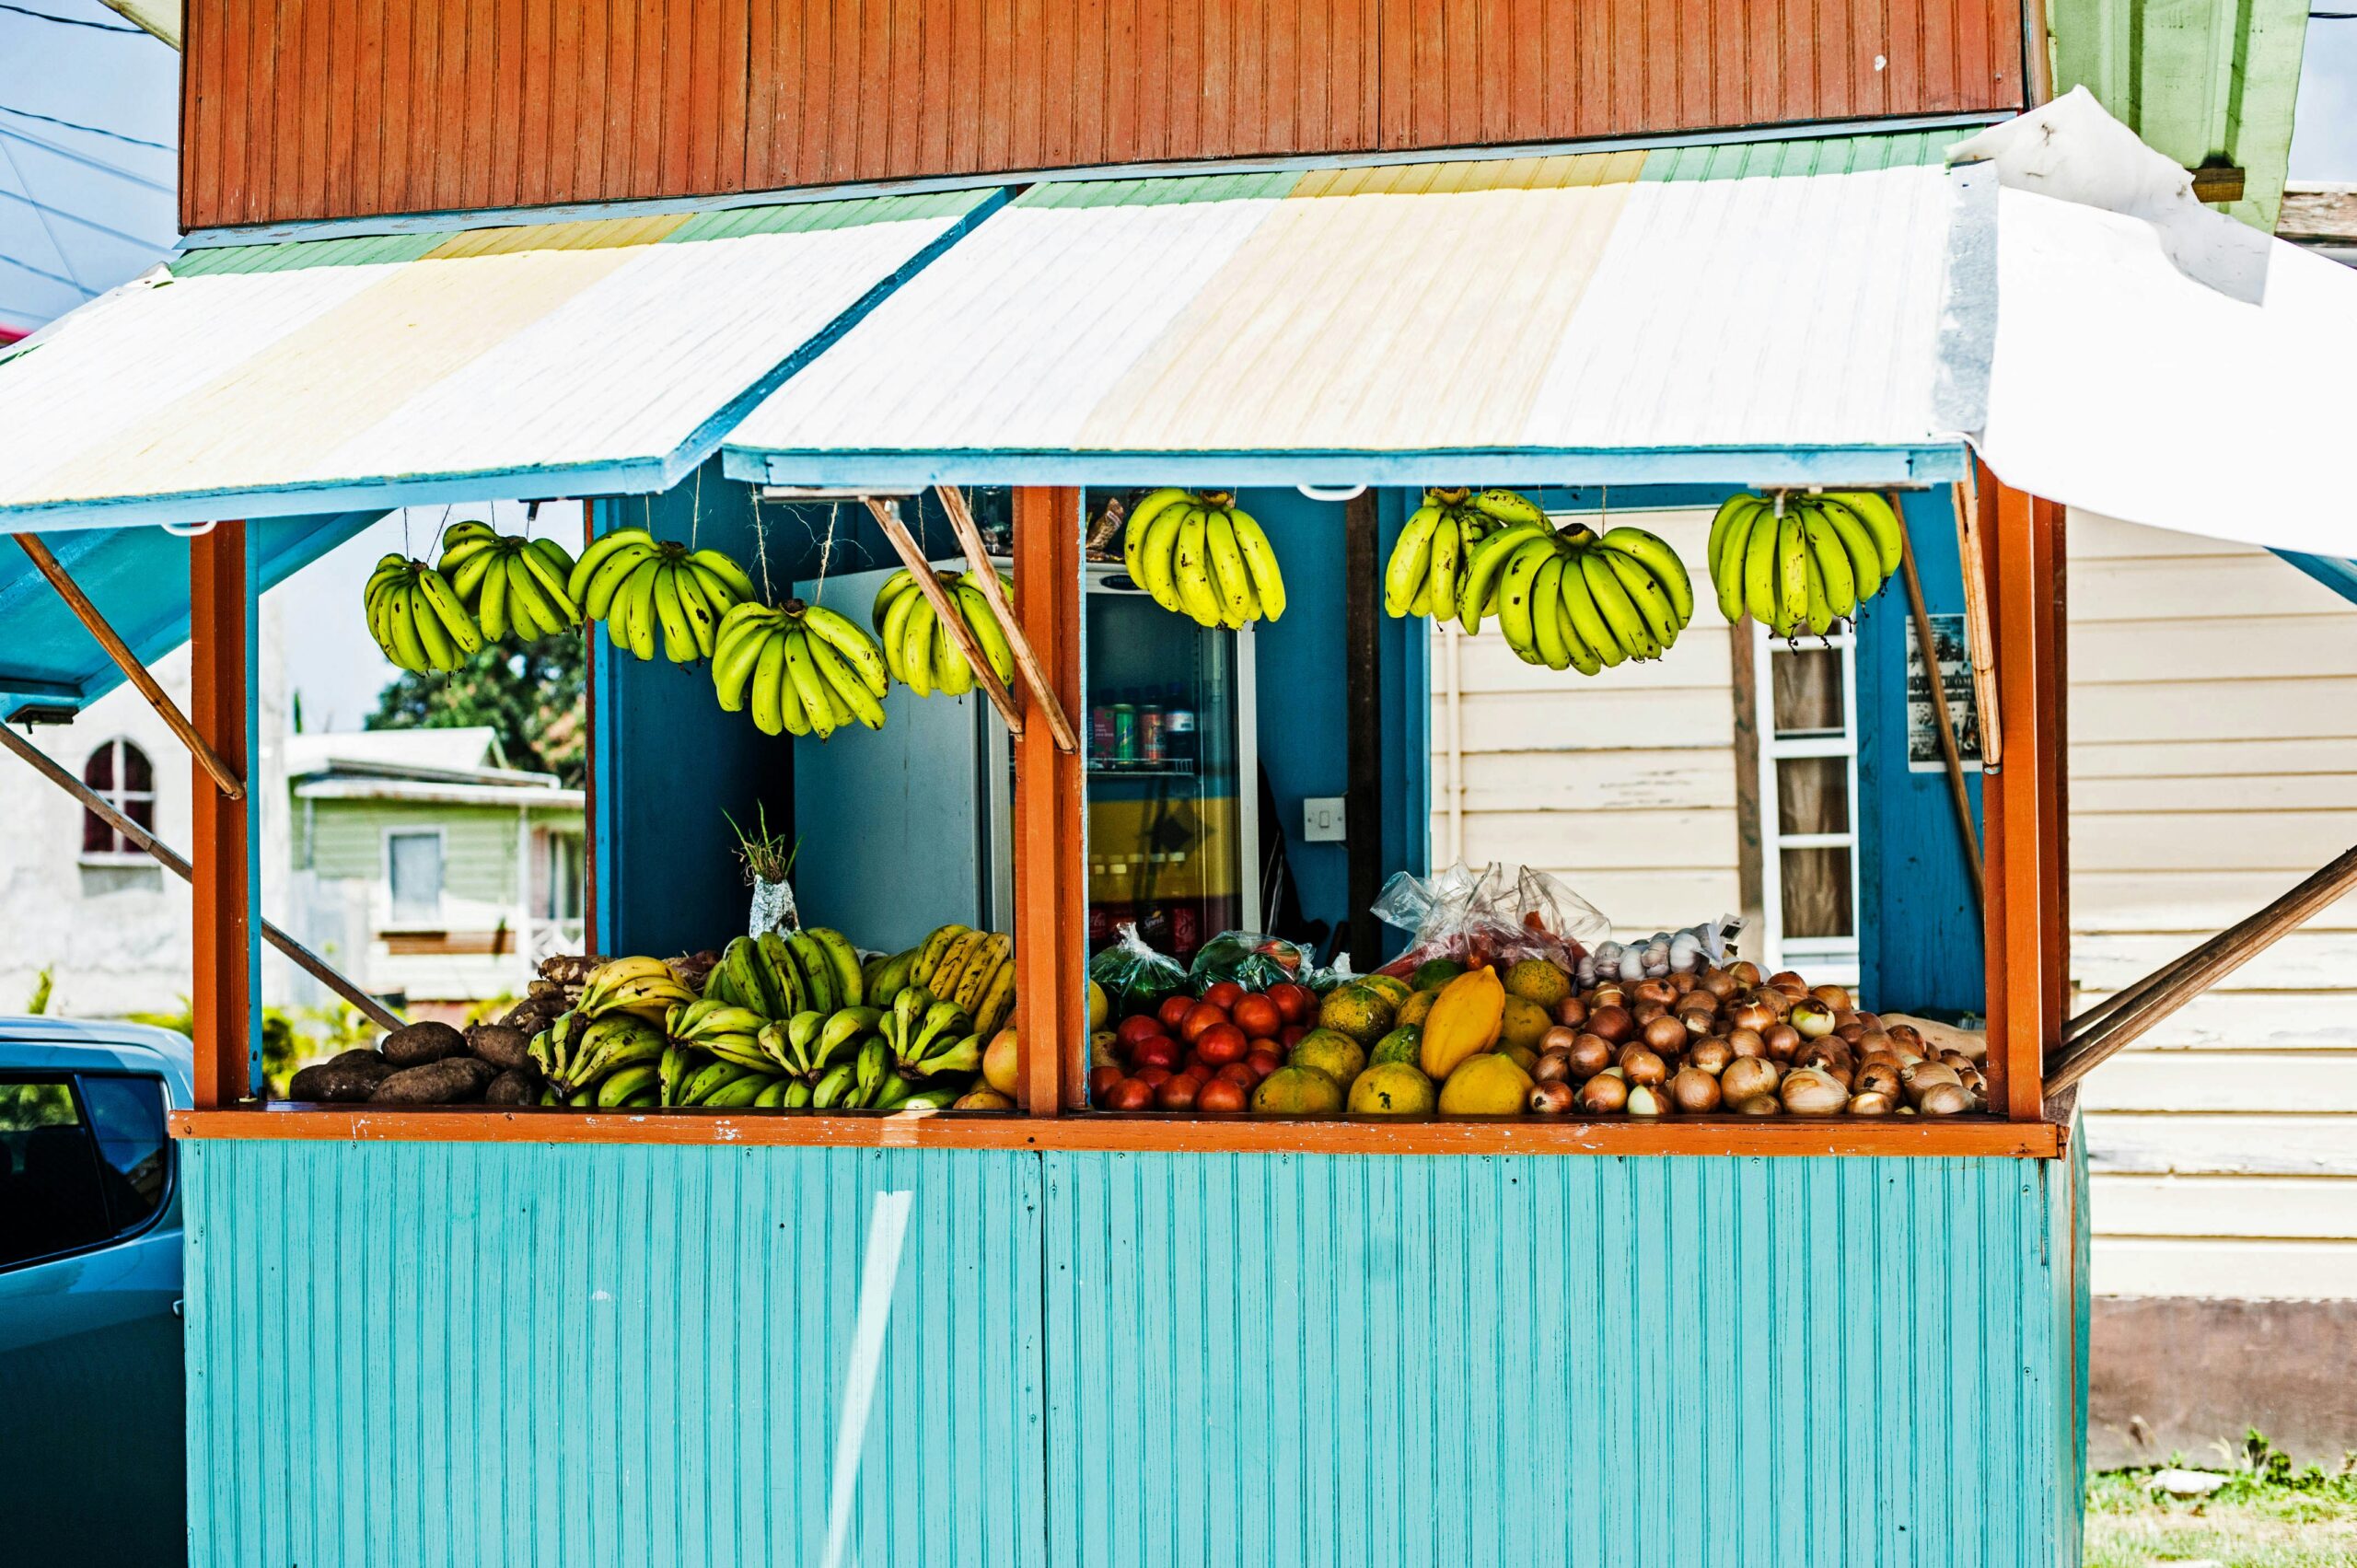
(921, 1026)
(510, 584)
(647, 590)
(607, 1045)
(1798, 561)
(416, 617)
(921, 654)
(1427, 566)
(1199, 555)
(805, 669)
(643, 987)
(719, 1028)
(1570, 600)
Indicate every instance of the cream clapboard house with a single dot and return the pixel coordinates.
(2213, 763)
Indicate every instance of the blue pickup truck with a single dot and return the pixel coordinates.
(92, 1398)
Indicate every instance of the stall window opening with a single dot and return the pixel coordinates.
(1808, 791)
(413, 869)
(119, 772)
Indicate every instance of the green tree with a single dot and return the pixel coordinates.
(534, 696)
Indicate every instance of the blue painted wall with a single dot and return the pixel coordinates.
(427, 1355)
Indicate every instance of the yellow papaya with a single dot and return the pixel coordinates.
(1464, 1022)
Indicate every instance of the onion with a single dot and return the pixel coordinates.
(1746, 1077)
(1746, 1042)
(1641, 1066)
(1709, 1054)
(1554, 1067)
(1551, 1098)
(1873, 1021)
(1648, 1011)
(1746, 973)
(1943, 1099)
(1604, 1094)
(1853, 1031)
(1719, 984)
(1642, 1101)
(1812, 1019)
(1557, 1038)
(1925, 1076)
(1783, 1040)
(1611, 1023)
(1785, 979)
(1694, 1091)
(1873, 1041)
(1824, 1054)
(1571, 1012)
(1870, 1103)
(1759, 1105)
(1956, 1059)
(1806, 1091)
(1683, 980)
(1666, 1035)
(1606, 996)
(1904, 1035)
(1751, 1014)
(1590, 1054)
(1659, 991)
(1836, 1000)
(1876, 1077)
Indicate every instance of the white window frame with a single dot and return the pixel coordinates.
(1821, 959)
(122, 797)
(393, 920)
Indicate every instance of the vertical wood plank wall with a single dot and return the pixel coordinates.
(307, 108)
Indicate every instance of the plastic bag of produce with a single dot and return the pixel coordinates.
(1708, 946)
(1135, 976)
(773, 908)
(1252, 960)
(1482, 917)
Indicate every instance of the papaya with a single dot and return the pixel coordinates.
(1464, 1022)
(1403, 1044)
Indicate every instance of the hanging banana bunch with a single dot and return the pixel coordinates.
(646, 589)
(510, 584)
(1201, 557)
(1435, 550)
(416, 618)
(922, 655)
(805, 669)
(1800, 562)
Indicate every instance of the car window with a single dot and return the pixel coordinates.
(51, 1196)
(127, 1116)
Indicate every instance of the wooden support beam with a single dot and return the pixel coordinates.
(2022, 859)
(1950, 753)
(302, 958)
(978, 555)
(229, 963)
(1979, 638)
(1362, 728)
(888, 517)
(1050, 796)
(225, 777)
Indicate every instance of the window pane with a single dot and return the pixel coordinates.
(50, 1198)
(1813, 795)
(1816, 893)
(97, 837)
(1809, 690)
(98, 772)
(565, 866)
(416, 875)
(127, 1118)
(136, 774)
(142, 811)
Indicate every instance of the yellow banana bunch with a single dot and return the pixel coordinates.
(416, 617)
(1433, 568)
(510, 584)
(921, 654)
(648, 591)
(1798, 562)
(1570, 601)
(1200, 556)
(805, 669)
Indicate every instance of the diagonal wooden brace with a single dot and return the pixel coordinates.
(888, 517)
(961, 520)
(136, 673)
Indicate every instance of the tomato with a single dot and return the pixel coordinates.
(1257, 1016)
(1263, 1063)
(1226, 994)
(1296, 1003)
(1155, 1077)
(1200, 1016)
(1221, 1095)
(1240, 1073)
(1264, 1045)
(1160, 1050)
(1173, 1009)
(1177, 1094)
(1101, 1081)
(1290, 1035)
(1140, 1028)
(1129, 1094)
(1221, 1044)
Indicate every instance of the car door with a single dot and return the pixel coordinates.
(92, 1403)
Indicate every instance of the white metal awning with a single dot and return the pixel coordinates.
(442, 365)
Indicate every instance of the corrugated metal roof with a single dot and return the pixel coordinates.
(1780, 298)
(468, 364)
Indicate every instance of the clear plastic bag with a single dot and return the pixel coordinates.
(1134, 976)
(1708, 946)
(1482, 917)
(774, 909)
(1248, 959)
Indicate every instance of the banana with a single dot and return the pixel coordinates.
(702, 618)
(633, 620)
(818, 972)
(671, 1073)
(952, 960)
(1730, 537)
(1260, 558)
(769, 685)
(1411, 563)
(988, 954)
(1759, 581)
(803, 1033)
(1588, 625)
(1585, 656)
(607, 574)
(830, 1090)
(796, 1095)
(1231, 579)
(1484, 566)
(1158, 555)
(841, 1027)
(868, 1070)
(1508, 506)
(1612, 602)
(679, 641)
(983, 620)
(808, 684)
(1141, 521)
(897, 587)
(560, 562)
(724, 567)
(616, 1087)
(888, 978)
(960, 1056)
(856, 648)
(997, 1003)
(439, 652)
(601, 549)
(786, 980)
(1190, 568)
(740, 1093)
(943, 1021)
(1818, 610)
(451, 614)
(491, 606)
(895, 633)
(1791, 574)
(732, 670)
(1547, 614)
(1646, 593)
(1724, 521)
(929, 950)
(1867, 575)
(1514, 608)
(1447, 554)
(916, 647)
(718, 591)
(1662, 563)
(844, 681)
(772, 1097)
(1831, 559)
(851, 986)
(952, 673)
(893, 1092)
(1882, 524)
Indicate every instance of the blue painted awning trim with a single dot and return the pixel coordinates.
(2339, 575)
(1732, 465)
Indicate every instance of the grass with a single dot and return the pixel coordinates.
(2267, 1515)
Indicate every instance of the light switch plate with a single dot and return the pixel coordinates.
(1322, 819)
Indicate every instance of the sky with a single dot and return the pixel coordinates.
(82, 210)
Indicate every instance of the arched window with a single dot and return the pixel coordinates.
(118, 770)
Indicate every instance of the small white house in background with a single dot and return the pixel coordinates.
(426, 868)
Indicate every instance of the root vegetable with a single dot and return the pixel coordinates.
(1746, 973)
(1835, 998)
(1644, 1101)
(1753, 1014)
(1590, 1054)
(1557, 1038)
(1613, 1024)
(1808, 1091)
(448, 1081)
(1747, 1077)
(1870, 1103)
(1759, 1105)
(509, 1050)
(1923, 1076)
(1746, 1042)
(1694, 1091)
(1719, 984)
(1783, 1040)
(1647, 1012)
(1943, 1099)
(1551, 1098)
(1666, 1035)
(1709, 1054)
(1876, 1077)
(420, 1043)
(1659, 991)
(1604, 1094)
(1641, 1065)
(1571, 1012)
(1812, 1019)
(1553, 1067)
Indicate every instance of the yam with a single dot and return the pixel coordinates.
(450, 1081)
(421, 1043)
(509, 1049)
(570, 969)
(345, 1079)
(512, 1088)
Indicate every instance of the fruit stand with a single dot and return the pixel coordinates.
(738, 1239)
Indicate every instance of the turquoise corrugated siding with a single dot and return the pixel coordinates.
(412, 1353)
(500, 1354)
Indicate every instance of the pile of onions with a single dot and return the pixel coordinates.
(1728, 1041)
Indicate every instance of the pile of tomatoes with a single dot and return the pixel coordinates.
(1200, 1054)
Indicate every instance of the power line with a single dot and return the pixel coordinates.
(84, 159)
(81, 288)
(91, 129)
(77, 219)
(67, 21)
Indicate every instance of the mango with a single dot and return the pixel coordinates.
(1486, 1084)
(1464, 1022)
(1395, 1088)
(1100, 1008)
(1298, 1091)
(1536, 979)
(1332, 1052)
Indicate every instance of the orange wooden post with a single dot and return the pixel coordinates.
(1051, 882)
(2022, 825)
(227, 870)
